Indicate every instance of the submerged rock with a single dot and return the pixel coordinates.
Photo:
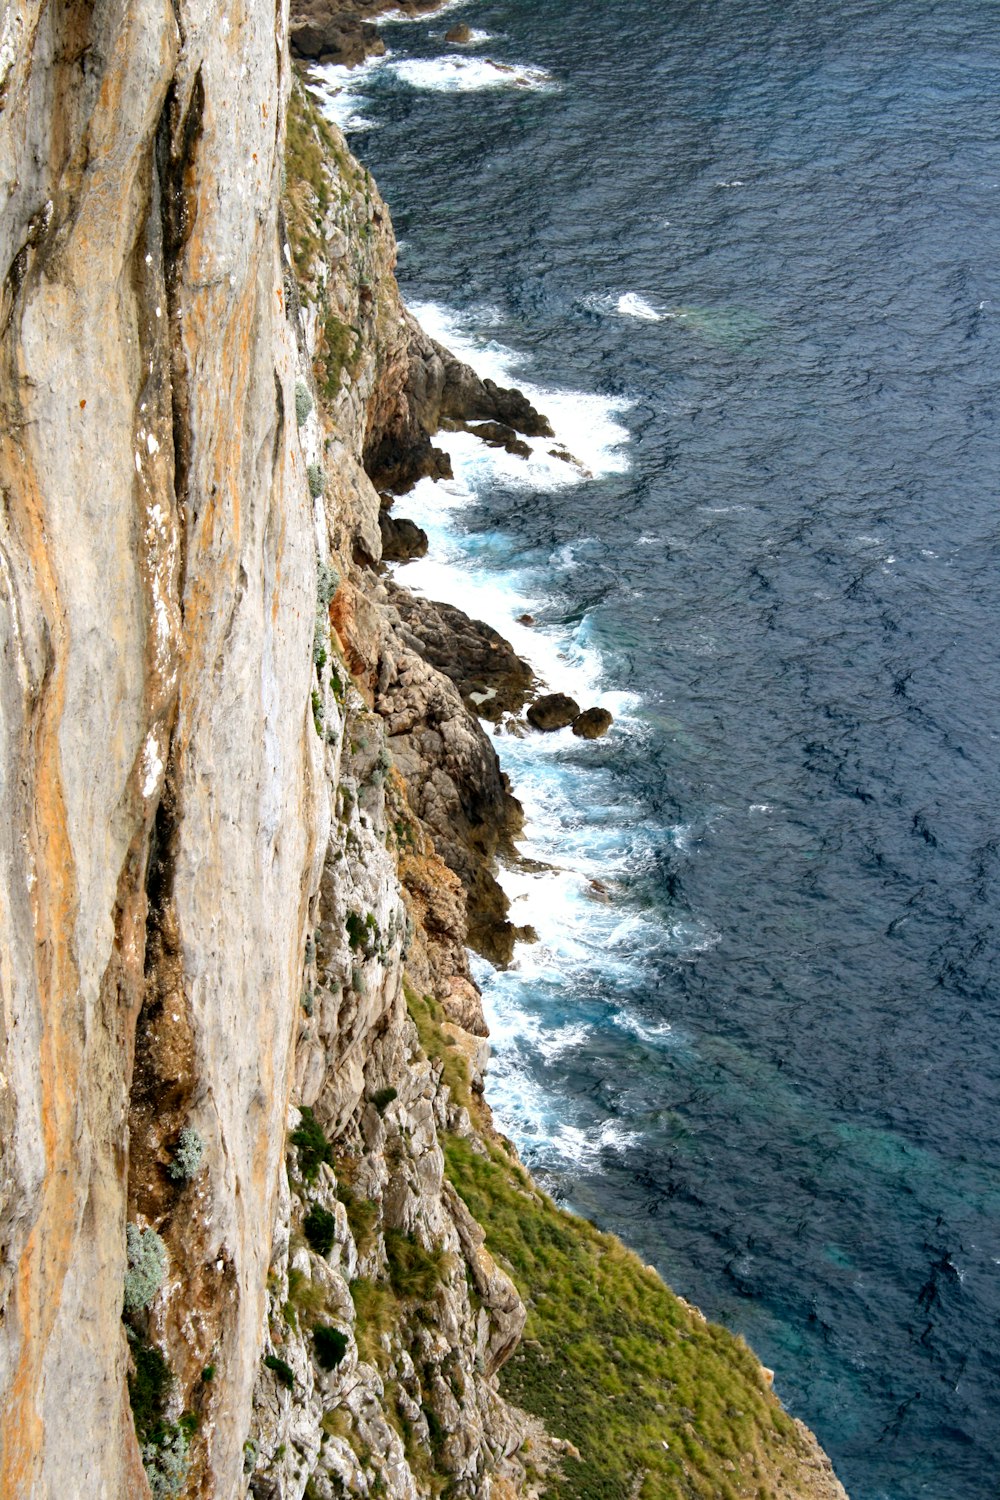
(459, 34)
(592, 724)
(553, 711)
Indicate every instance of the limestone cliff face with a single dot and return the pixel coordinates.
(237, 806)
(160, 790)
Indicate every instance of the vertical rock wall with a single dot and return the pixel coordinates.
(157, 569)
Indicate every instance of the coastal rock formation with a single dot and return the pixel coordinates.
(341, 31)
(553, 711)
(592, 724)
(257, 1233)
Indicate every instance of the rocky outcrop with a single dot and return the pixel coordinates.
(492, 679)
(553, 711)
(341, 31)
(439, 390)
(592, 724)
(246, 828)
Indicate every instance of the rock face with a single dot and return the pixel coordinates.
(246, 825)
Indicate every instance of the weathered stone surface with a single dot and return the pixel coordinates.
(552, 711)
(492, 679)
(438, 390)
(592, 724)
(402, 539)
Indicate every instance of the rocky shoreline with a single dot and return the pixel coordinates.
(343, 31)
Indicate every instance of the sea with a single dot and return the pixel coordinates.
(746, 256)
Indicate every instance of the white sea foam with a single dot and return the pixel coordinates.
(461, 74)
(582, 840)
(341, 91)
(631, 305)
(625, 305)
(586, 425)
(402, 18)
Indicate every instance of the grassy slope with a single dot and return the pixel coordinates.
(658, 1401)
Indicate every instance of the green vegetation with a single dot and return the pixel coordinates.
(428, 1017)
(340, 347)
(303, 402)
(188, 1153)
(377, 1312)
(316, 479)
(313, 162)
(320, 1229)
(414, 1272)
(282, 1372)
(313, 1146)
(147, 1263)
(330, 1345)
(362, 1215)
(149, 1386)
(382, 1098)
(659, 1403)
(306, 1298)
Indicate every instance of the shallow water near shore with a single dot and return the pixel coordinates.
(745, 258)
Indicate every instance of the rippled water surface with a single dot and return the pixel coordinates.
(748, 253)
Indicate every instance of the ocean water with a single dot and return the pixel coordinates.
(746, 257)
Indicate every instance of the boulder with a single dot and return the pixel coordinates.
(401, 539)
(553, 711)
(592, 724)
(459, 35)
(499, 435)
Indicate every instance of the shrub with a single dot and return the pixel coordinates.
(188, 1152)
(330, 1344)
(147, 1264)
(312, 1144)
(316, 479)
(382, 1098)
(320, 1228)
(327, 584)
(149, 1386)
(303, 402)
(166, 1463)
(282, 1372)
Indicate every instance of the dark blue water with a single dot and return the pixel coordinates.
(777, 1050)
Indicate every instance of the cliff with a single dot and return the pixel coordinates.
(257, 1234)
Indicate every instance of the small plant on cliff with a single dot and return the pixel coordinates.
(166, 1462)
(320, 1229)
(316, 479)
(330, 1345)
(149, 1385)
(382, 1098)
(188, 1153)
(303, 402)
(313, 1146)
(147, 1263)
(283, 1372)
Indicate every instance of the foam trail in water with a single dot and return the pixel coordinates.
(340, 91)
(451, 74)
(582, 842)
